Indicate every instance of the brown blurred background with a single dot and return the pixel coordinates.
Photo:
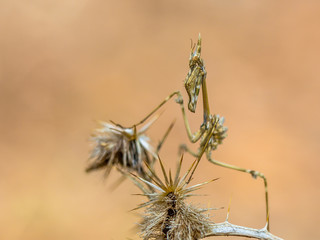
(65, 64)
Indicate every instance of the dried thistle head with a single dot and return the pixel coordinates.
(167, 215)
(213, 138)
(126, 148)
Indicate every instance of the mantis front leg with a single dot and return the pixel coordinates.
(193, 137)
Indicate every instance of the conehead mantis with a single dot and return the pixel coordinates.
(211, 132)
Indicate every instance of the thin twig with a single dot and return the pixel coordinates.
(229, 229)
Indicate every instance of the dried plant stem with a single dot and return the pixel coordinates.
(229, 229)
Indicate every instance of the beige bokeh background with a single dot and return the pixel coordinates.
(64, 64)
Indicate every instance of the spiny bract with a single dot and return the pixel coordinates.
(167, 216)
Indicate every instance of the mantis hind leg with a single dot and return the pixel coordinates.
(253, 173)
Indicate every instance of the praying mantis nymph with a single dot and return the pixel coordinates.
(211, 132)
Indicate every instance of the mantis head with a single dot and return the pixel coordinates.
(195, 76)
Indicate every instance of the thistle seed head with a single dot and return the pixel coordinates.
(166, 214)
(219, 133)
(125, 148)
